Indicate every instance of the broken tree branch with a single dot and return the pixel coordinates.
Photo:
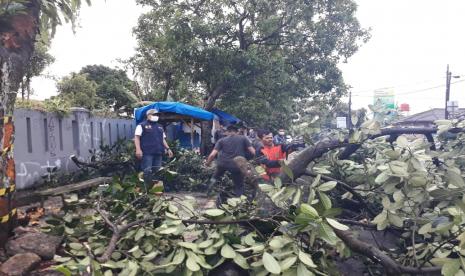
(118, 230)
(347, 188)
(370, 251)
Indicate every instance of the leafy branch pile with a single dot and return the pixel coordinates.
(117, 230)
(307, 222)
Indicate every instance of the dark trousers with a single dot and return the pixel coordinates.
(150, 164)
(236, 176)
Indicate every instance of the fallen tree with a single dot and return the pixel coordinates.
(323, 211)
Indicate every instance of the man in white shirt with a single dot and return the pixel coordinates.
(150, 142)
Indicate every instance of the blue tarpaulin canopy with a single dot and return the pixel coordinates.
(174, 107)
(225, 118)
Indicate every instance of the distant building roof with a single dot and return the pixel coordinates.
(427, 116)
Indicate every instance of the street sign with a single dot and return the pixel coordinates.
(341, 122)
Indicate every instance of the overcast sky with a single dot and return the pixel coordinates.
(412, 42)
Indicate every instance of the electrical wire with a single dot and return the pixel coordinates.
(411, 92)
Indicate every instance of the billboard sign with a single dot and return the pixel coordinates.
(384, 97)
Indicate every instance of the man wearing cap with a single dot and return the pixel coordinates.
(150, 143)
(227, 149)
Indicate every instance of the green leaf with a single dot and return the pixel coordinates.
(287, 263)
(418, 181)
(303, 271)
(393, 154)
(214, 212)
(425, 229)
(327, 186)
(309, 210)
(179, 257)
(382, 177)
(173, 209)
(316, 180)
(285, 168)
(228, 252)
(455, 179)
(192, 265)
(334, 223)
(188, 245)
(135, 248)
(76, 246)
(327, 234)
(199, 259)
(61, 259)
(168, 231)
(64, 270)
(451, 267)
(276, 243)
(260, 170)
(139, 234)
(278, 183)
(297, 197)
(402, 141)
(395, 220)
(241, 261)
(205, 244)
(150, 256)
(325, 200)
(270, 263)
(398, 168)
(306, 259)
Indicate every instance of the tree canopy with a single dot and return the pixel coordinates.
(78, 90)
(262, 54)
(114, 88)
(98, 87)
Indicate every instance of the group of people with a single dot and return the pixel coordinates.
(261, 145)
(266, 149)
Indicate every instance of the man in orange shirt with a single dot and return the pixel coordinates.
(269, 154)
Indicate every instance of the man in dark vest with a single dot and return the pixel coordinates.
(150, 143)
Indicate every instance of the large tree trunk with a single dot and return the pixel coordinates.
(206, 144)
(17, 37)
(167, 86)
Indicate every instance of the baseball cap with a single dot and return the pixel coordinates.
(151, 111)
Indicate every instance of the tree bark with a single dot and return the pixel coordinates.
(205, 142)
(17, 38)
(167, 86)
(299, 164)
(213, 96)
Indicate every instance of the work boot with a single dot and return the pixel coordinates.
(209, 187)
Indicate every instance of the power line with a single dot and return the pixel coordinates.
(413, 91)
(398, 86)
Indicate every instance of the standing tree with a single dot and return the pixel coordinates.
(235, 49)
(114, 88)
(20, 21)
(78, 90)
(39, 61)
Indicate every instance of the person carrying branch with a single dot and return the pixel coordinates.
(150, 143)
(227, 149)
(270, 155)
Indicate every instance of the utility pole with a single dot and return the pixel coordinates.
(448, 78)
(349, 119)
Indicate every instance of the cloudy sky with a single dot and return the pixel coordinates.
(412, 43)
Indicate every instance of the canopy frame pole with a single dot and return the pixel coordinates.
(192, 133)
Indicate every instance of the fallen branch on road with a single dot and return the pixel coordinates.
(375, 254)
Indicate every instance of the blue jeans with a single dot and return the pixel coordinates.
(150, 164)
